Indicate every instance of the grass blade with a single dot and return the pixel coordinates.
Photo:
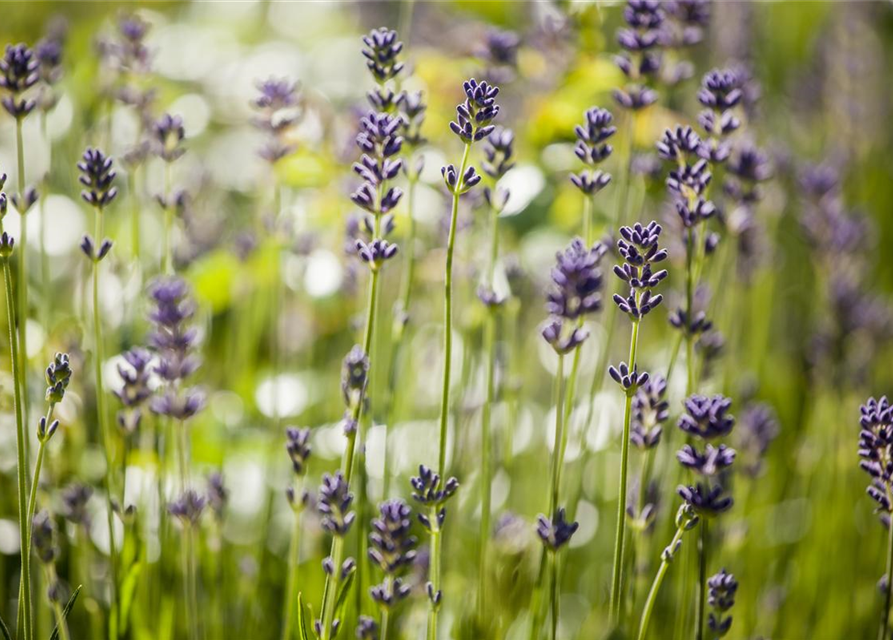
(68, 607)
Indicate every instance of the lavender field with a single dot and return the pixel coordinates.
(461, 319)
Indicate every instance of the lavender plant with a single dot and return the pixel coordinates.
(334, 505)
(433, 494)
(639, 248)
(297, 444)
(19, 72)
(705, 419)
(393, 549)
(721, 598)
(575, 292)
(97, 177)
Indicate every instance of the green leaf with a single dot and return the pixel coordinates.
(4, 630)
(128, 588)
(341, 602)
(302, 624)
(66, 611)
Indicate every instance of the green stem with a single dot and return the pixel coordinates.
(330, 592)
(448, 317)
(22, 289)
(24, 615)
(41, 450)
(105, 434)
(385, 624)
(617, 582)
(434, 573)
(294, 553)
(553, 594)
(885, 618)
(658, 580)
(702, 582)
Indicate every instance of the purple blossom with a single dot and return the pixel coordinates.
(557, 532)
(334, 504)
(707, 418)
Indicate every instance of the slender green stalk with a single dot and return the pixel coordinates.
(666, 559)
(434, 572)
(448, 316)
(291, 593)
(190, 582)
(617, 581)
(41, 450)
(553, 593)
(22, 282)
(24, 631)
(105, 434)
(330, 591)
(885, 615)
(384, 626)
(701, 603)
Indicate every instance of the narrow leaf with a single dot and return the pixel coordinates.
(302, 624)
(4, 630)
(66, 611)
(341, 602)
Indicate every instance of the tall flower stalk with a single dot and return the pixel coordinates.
(575, 292)
(499, 152)
(706, 419)
(58, 375)
(380, 164)
(473, 124)
(97, 177)
(7, 244)
(297, 444)
(19, 71)
(433, 494)
(380, 141)
(334, 505)
(638, 246)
